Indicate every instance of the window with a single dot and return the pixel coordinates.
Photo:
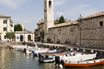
(5, 29)
(11, 25)
(50, 3)
(5, 22)
(4, 36)
(101, 23)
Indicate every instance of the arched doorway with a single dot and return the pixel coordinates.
(29, 37)
(21, 37)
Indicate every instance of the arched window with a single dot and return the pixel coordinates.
(29, 37)
(50, 3)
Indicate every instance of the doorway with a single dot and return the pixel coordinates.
(21, 37)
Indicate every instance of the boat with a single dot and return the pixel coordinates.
(21, 47)
(50, 57)
(39, 50)
(84, 63)
(46, 59)
(78, 57)
(51, 52)
(44, 51)
(55, 54)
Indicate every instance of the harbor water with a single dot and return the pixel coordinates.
(11, 59)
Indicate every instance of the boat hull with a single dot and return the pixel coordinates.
(83, 65)
(46, 60)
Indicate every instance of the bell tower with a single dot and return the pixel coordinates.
(48, 14)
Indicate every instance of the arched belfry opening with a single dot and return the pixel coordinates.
(50, 3)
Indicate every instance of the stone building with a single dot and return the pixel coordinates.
(92, 31)
(88, 33)
(64, 33)
(6, 25)
(41, 27)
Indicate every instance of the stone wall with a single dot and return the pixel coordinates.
(92, 34)
(66, 34)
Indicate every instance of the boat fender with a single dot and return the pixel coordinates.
(62, 62)
(61, 66)
(78, 62)
(24, 50)
(57, 65)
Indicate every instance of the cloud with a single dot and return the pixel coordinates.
(59, 2)
(12, 3)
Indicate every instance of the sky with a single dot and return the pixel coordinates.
(29, 12)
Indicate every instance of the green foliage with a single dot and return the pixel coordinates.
(61, 20)
(42, 35)
(49, 40)
(10, 35)
(18, 27)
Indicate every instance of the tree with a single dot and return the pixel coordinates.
(42, 35)
(10, 35)
(18, 27)
(61, 20)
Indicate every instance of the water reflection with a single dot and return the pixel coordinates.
(11, 59)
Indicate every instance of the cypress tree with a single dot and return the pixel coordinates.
(61, 20)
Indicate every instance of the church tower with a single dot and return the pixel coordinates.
(48, 14)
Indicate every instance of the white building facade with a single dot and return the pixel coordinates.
(24, 36)
(6, 25)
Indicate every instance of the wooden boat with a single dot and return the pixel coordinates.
(74, 59)
(84, 63)
(44, 51)
(53, 54)
(46, 59)
(21, 47)
(78, 57)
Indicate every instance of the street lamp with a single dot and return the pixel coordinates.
(80, 21)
